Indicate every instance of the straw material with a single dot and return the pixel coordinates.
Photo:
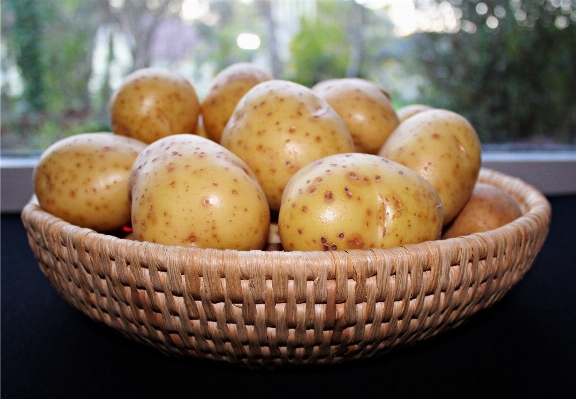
(272, 308)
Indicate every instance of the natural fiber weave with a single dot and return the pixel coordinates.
(260, 308)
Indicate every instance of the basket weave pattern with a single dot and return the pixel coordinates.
(260, 308)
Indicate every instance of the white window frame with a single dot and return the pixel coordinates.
(552, 172)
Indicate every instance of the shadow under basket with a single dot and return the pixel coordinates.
(273, 308)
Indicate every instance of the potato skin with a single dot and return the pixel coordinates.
(224, 93)
(444, 148)
(365, 108)
(488, 208)
(82, 179)
(187, 190)
(357, 201)
(152, 103)
(411, 110)
(200, 129)
(279, 126)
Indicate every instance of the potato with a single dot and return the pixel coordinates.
(410, 110)
(187, 190)
(226, 89)
(200, 129)
(152, 103)
(443, 147)
(488, 208)
(273, 243)
(365, 108)
(357, 201)
(82, 179)
(279, 126)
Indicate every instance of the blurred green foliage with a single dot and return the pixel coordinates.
(220, 46)
(514, 82)
(27, 42)
(320, 50)
(52, 43)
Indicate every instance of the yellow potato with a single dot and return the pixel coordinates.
(410, 110)
(82, 179)
(280, 126)
(488, 208)
(357, 201)
(444, 148)
(365, 108)
(187, 190)
(226, 89)
(273, 243)
(200, 129)
(152, 103)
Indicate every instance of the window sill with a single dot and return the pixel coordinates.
(552, 172)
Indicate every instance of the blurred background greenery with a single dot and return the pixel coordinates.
(506, 65)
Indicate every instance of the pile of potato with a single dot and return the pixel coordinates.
(265, 161)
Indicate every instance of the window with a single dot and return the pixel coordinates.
(507, 65)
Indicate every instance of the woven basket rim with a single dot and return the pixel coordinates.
(269, 308)
(536, 212)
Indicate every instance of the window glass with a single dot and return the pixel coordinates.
(506, 65)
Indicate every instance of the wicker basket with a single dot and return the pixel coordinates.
(272, 308)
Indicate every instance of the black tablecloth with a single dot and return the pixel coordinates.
(524, 346)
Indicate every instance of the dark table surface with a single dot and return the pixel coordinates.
(524, 346)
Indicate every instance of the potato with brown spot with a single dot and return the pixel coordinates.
(279, 126)
(488, 208)
(365, 108)
(224, 93)
(82, 179)
(444, 148)
(190, 191)
(357, 201)
(152, 103)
